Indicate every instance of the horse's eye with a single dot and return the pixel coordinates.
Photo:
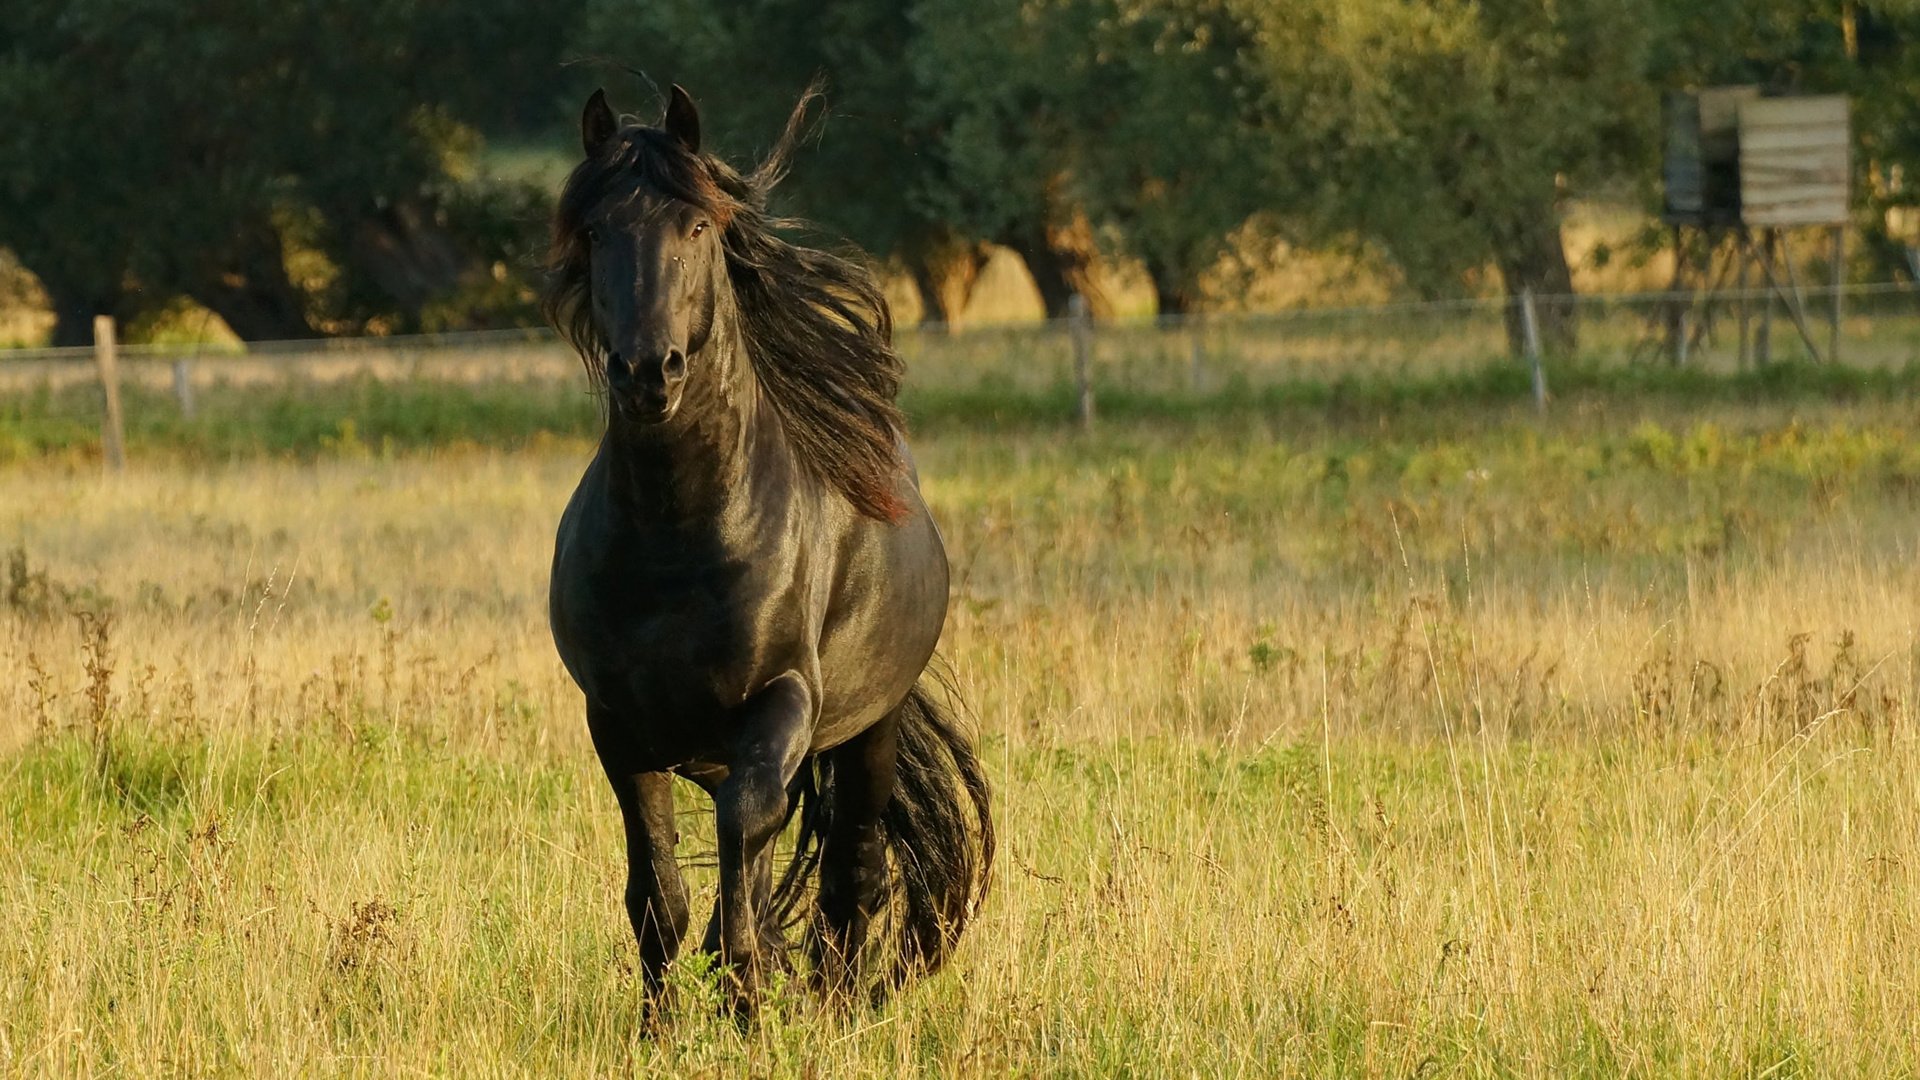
(699, 228)
(593, 234)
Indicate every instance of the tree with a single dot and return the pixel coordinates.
(1173, 161)
(178, 147)
(1064, 121)
(935, 142)
(989, 79)
(1451, 134)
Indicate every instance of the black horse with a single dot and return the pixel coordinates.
(746, 584)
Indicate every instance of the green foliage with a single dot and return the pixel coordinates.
(1138, 115)
(1448, 134)
(747, 63)
(197, 149)
(959, 123)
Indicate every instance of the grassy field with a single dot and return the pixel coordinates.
(1353, 730)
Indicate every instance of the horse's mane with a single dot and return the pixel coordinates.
(816, 325)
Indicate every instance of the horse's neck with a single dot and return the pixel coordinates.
(703, 468)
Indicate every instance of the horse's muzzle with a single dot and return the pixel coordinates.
(650, 405)
(649, 395)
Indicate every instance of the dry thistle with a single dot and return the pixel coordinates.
(40, 686)
(96, 649)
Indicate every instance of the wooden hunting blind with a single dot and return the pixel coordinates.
(1740, 164)
(1734, 157)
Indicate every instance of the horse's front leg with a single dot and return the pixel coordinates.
(774, 729)
(656, 893)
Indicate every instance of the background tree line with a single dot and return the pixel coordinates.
(310, 169)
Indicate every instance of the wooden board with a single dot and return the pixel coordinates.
(1795, 159)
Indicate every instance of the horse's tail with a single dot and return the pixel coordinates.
(939, 834)
(939, 830)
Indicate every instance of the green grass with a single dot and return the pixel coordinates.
(361, 415)
(470, 917)
(300, 419)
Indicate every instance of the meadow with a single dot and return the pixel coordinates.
(1345, 728)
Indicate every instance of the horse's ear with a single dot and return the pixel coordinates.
(683, 119)
(597, 124)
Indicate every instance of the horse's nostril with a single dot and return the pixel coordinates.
(675, 364)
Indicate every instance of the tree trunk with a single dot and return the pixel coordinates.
(73, 314)
(252, 292)
(77, 298)
(935, 313)
(1062, 260)
(945, 274)
(1533, 257)
(1173, 295)
(407, 257)
(1047, 268)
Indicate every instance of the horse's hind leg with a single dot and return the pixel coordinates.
(853, 861)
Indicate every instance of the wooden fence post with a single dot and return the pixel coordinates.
(1839, 280)
(1763, 333)
(1678, 300)
(183, 387)
(1743, 252)
(1080, 327)
(1197, 355)
(1530, 326)
(106, 358)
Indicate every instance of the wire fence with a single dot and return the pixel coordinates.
(1878, 327)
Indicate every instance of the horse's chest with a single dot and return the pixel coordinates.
(684, 646)
(689, 640)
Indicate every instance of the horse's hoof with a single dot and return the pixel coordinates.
(654, 1002)
(741, 998)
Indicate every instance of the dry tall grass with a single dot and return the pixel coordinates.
(1474, 750)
